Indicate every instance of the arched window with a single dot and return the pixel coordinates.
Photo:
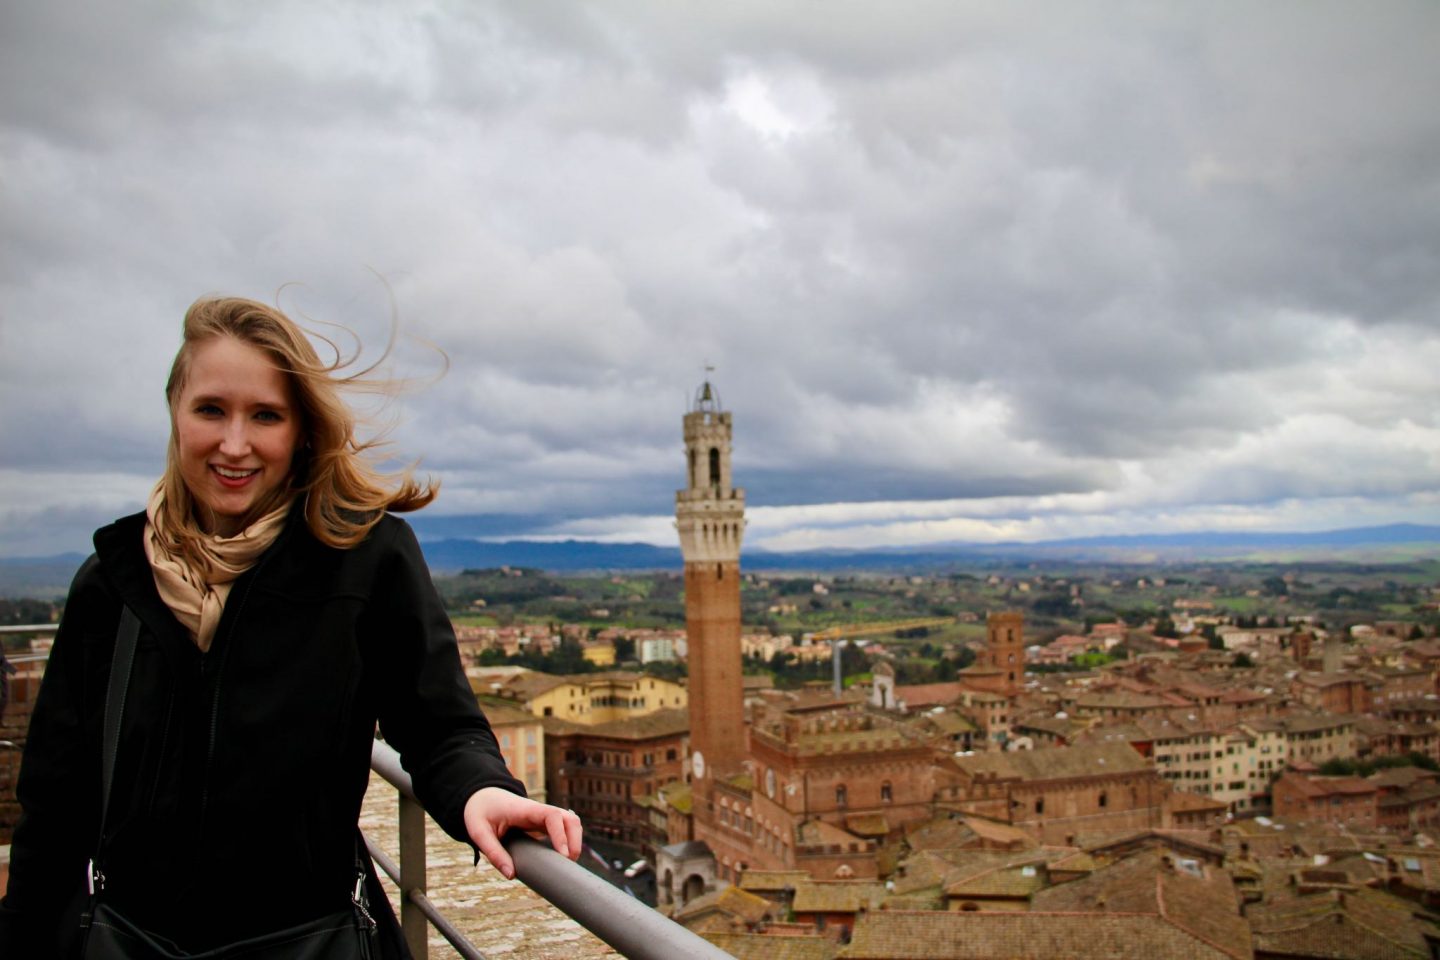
(692, 468)
(885, 793)
(840, 795)
(715, 467)
(1040, 805)
(1104, 800)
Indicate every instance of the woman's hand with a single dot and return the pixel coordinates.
(491, 811)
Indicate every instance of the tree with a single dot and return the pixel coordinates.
(624, 648)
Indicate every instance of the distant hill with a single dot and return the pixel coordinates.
(43, 578)
(1394, 543)
(567, 555)
(46, 577)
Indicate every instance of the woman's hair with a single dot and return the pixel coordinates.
(345, 495)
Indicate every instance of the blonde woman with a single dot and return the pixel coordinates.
(282, 611)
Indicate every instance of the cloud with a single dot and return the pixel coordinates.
(1152, 264)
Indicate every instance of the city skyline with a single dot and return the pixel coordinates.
(966, 273)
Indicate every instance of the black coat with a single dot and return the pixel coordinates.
(240, 771)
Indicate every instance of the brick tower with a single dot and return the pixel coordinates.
(1005, 645)
(710, 517)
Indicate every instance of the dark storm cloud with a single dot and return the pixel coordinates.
(1084, 259)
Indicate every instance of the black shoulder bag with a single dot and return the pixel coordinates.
(343, 935)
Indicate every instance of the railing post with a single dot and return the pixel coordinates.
(412, 877)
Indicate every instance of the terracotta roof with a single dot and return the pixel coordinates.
(677, 795)
(504, 712)
(956, 935)
(1327, 786)
(1401, 776)
(817, 833)
(1187, 893)
(994, 832)
(837, 896)
(755, 946)
(658, 723)
(918, 695)
(1361, 924)
(1077, 862)
(1122, 701)
(942, 833)
(1308, 723)
(950, 723)
(1183, 801)
(528, 686)
(1009, 883)
(1057, 763)
(772, 881)
(923, 871)
(729, 900)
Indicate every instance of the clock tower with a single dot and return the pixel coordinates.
(710, 518)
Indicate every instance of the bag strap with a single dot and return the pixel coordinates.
(127, 638)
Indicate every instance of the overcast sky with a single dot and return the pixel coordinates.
(965, 272)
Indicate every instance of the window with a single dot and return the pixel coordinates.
(885, 793)
(840, 795)
(1104, 800)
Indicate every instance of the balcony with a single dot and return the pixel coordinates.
(478, 900)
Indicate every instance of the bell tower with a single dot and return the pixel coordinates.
(710, 518)
(1005, 646)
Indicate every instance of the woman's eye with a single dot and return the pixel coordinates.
(208, 410)
(268, 416)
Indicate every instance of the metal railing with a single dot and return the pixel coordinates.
(625, 923)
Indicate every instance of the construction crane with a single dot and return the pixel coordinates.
(884, 626)
(838, 635)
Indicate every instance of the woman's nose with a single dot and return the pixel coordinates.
(235, 442)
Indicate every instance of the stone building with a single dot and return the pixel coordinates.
(608, 772)
(585, 698)
(522, 743)
(21, 686)
(1348, 800)
(1057, 794)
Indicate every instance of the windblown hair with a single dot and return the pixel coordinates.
(343, 491)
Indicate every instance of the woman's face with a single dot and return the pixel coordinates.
(236, 429)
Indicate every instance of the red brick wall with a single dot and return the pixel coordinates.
(712, 642)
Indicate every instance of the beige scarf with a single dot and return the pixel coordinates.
(197, 596)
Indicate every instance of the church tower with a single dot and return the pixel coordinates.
(710, 517)
(1005, 646)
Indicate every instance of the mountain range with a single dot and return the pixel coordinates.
(49, 576)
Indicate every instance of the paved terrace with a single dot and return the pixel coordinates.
(504, 919)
